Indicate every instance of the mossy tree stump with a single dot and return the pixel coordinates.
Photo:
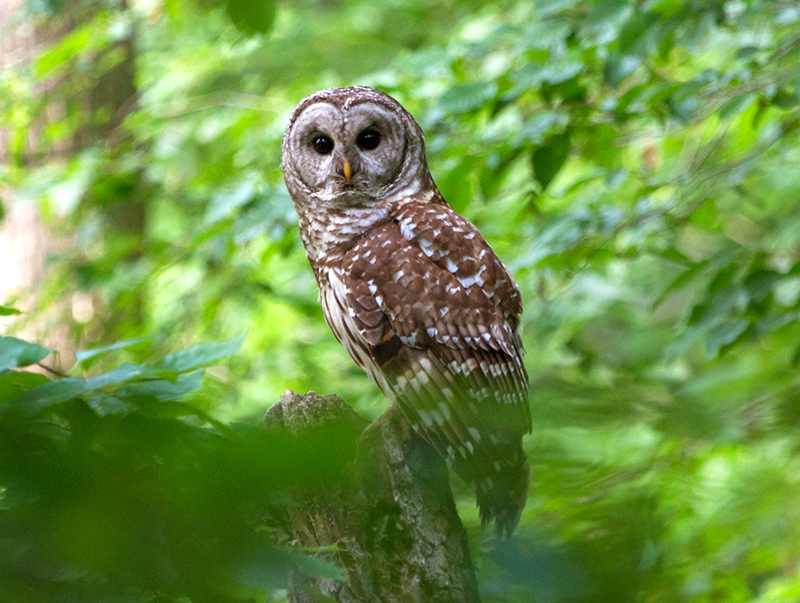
(389, 520)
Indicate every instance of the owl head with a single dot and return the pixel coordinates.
(353, 146)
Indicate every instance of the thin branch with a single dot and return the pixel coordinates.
(53, 371)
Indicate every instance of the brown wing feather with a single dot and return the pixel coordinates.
(445, 295)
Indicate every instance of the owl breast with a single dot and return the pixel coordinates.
(328, 233)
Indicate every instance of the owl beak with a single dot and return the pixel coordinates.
(346, 170)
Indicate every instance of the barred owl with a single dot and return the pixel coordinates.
(411, 289)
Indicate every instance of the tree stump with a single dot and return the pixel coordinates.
(390, 523)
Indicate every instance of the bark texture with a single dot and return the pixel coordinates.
(391, 522)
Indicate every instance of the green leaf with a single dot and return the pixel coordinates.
(560, 73)
(67, 194)
(548, 158)
(559, 79)
(6, 311)
(551, 7)
(226, 201)
(14, 383)
(724, 335)
(642, 33)
(619, 67)
(760, 283)
(251, 16)
(166, 409)
(457, 184)
(15, 352)
(563, 81)
(199, 356)
(68, 48)
(666, 8)
(174, 9)
(88, 357)
(165, 390)
(683, 278)
(50, 393)
(112, 405)
(124, 372)
(467, 97)
(542, 126)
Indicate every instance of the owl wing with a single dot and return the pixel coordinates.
(439, 314)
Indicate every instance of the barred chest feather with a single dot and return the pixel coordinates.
(327, 236)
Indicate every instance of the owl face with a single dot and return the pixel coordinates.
(347, 145)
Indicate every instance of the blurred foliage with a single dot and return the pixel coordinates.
(117, 488)
(634, 162)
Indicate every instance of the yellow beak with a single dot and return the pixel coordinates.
(346, 169)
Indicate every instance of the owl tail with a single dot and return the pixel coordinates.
(501, 494)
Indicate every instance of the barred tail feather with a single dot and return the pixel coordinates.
(501, 494)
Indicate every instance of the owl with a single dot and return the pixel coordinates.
(411, 289)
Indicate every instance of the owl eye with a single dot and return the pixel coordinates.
(322, 144)
(368, 139)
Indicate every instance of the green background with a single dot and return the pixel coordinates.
(635, 164)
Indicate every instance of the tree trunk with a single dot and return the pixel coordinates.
(26, 243)
(391, 525)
